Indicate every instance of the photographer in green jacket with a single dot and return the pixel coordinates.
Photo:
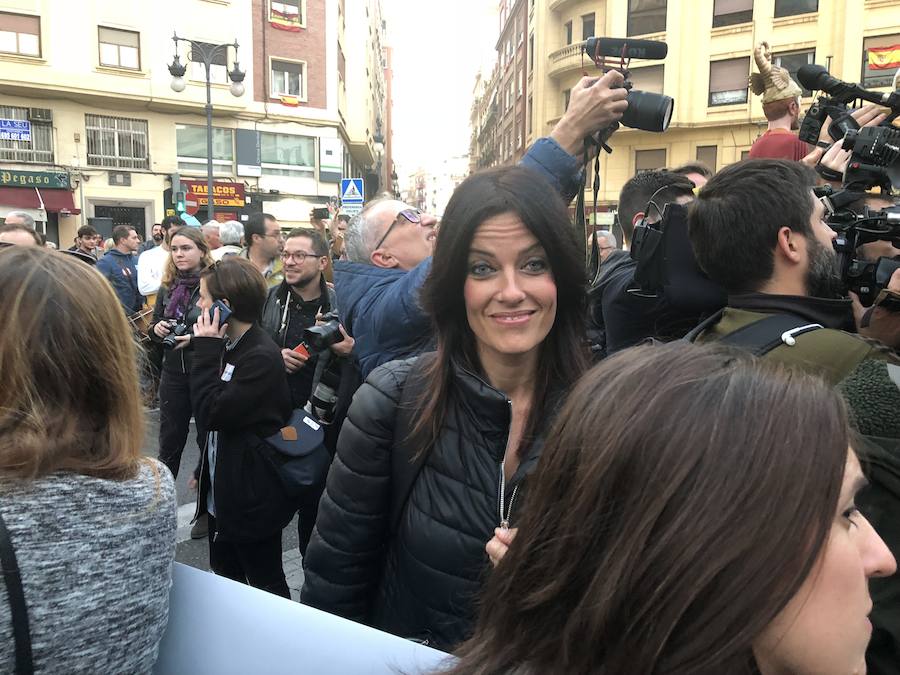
(758, 230)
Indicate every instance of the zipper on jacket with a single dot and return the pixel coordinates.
(504, 512)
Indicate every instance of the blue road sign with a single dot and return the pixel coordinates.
(352, 191)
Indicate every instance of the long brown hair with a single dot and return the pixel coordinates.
(70, 398)
(684, 495)
(196, 236)
(563, 353)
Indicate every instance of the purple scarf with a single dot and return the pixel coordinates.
(180, 295)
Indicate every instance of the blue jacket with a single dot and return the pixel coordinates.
(380, 307)
(120, 269)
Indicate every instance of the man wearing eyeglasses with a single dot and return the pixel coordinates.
(294, 304)
(263, 243)
(389, 244)
(292, 307)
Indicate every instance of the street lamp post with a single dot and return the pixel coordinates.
(206, 54)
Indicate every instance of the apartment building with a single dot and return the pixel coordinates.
(107, 133)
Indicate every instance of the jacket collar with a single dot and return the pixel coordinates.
(832, 313)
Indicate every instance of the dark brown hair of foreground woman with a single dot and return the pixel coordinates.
(684, 496)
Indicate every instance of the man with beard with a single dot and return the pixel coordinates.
(758, 230)
(781, 106)
(291, 307)
(157, 235)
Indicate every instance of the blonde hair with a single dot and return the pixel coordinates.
(68, 362)
(196, 236)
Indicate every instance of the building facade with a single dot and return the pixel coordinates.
(104, 117)
(716, 118)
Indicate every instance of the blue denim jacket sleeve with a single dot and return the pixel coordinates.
(556, 165)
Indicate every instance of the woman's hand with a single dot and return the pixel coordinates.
(206, 328)
(498, 546)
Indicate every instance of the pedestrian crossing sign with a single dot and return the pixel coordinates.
(352, 191)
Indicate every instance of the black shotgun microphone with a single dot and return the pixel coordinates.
(816, 78)
(630, 49)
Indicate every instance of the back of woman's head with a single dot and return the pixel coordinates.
(684, 495)
(68, 363)
(239, 282)
(529, 196)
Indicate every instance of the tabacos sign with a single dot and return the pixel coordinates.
(224, 193)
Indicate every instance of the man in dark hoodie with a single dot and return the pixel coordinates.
(389, 244)
(119, 266)
(758, 231)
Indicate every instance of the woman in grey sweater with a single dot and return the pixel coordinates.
(91, 522)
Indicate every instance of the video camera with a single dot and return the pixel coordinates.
(863, 277)
(836, 104)
(874, 162)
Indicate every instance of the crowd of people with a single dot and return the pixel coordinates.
(686, 464)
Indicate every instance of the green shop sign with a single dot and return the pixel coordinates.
(38, 179)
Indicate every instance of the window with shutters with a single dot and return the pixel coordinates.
(792, 7)
(732, 12)
(646, 16)
(566, 95)
(729, 81)
(792, 62)
(218, 70)
(568, 31)
(40, 148)
(117, 142)
(745, 154)
(531, 53)
(647, 160)
(288, 79)
(648, 78)
(20, 34)
(708, 155)
(881, 59)
(119, 48)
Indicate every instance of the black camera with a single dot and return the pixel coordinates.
(875, 159)
(177, 330)
(863, 277)
(319, 338)
(646, 110)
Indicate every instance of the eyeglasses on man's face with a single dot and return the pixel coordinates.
(298, 256)
(413, 216)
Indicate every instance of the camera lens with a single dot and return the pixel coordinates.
(648, 111)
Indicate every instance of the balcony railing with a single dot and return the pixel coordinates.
(565, 59)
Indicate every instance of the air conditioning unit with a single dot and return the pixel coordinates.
(40, 115)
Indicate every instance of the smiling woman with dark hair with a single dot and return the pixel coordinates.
(436, 451)
(693, 514)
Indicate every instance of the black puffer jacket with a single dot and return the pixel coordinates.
(421, 581)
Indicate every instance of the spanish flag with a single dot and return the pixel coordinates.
(289, 21)
(292, 101)
(884, 58)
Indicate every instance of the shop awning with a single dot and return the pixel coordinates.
(20, 197)
(59, 201)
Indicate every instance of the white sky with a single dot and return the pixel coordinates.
(438, 46)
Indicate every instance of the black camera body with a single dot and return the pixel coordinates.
(821, 109)
(319, 338)
(865, 278)
(178, 330)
